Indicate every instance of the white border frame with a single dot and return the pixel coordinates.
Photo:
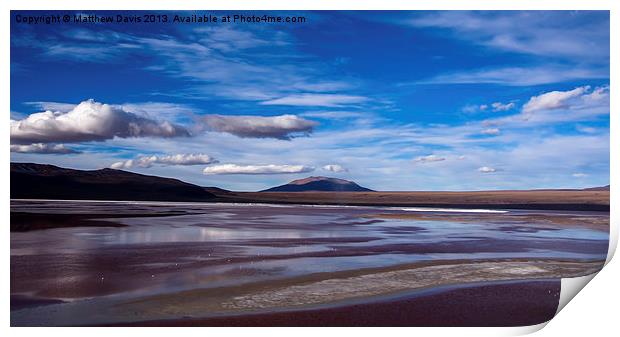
(598, 305)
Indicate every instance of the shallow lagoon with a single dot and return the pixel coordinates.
(202, 246)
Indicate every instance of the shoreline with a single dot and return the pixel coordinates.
(566, 200)
(286, 200)
(499, 303)
(353, 293)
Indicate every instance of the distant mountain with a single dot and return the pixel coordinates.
(319, 184)
(37, 181)
(601, 188)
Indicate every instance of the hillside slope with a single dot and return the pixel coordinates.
(37, 181)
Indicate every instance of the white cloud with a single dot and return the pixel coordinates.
(334, 168)
(527, 32)
(498, 106)
(333, 114)
(577, 105)
(587, 129)
(53, 106)
(256, 169)
(160, 110)
(151, 110)
(386, 153)
(490, 131)
(220, 61)
(227, 39)
(184, 159)
(175, 159)
(579, 175)
(599, 94)
(326, 100)
(279, 127)
(323, 86)
(89, 121)
(428, 159)
(119, 165)
(43, 149)
(474, 108)
(518, 76)
(553, 99)
(486, 169)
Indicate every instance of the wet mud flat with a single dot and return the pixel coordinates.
(512, 303)
(225, 264)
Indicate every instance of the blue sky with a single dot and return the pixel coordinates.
(393, 100)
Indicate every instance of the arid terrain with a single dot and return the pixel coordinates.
(536, 199)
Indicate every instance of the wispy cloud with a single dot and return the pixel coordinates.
(325, 100)
(490, 131)
(544, 33)
(429, 159)
(333, 114)
(564, 46)
(216, 59)
(518, 76)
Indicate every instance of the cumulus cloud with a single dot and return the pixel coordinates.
(256, 169)
(326, 100)
(553, 100)
(490, 131)
(119, 165)
(279, 127)
(486, 169)
(428, 159)
(334, 168)
(43, 149)
(89, 121)
(175, 159)
(499, 106)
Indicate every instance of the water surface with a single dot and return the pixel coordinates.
(182, 246)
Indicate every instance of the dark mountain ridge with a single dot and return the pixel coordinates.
(38, 181)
